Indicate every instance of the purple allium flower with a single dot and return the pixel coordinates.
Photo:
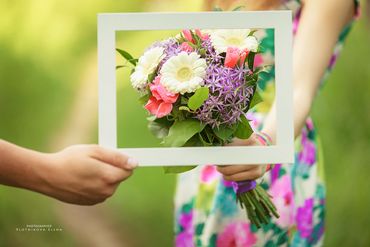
(229, 95)
(171, 48)
(211, 55)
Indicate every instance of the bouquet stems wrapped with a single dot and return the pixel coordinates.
(256, 201)
(198, 87)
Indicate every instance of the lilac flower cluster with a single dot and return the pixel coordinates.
(229, 94)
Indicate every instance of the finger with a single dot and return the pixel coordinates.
(241, 142)
(232, 169)
(113, 175)
(247, 175)
(114, 158)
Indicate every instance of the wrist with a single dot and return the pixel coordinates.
(265, 140)
(270, 135)
(45, 173)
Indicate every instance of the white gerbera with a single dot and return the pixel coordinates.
(238, 38)
(146, 65)
(183, 73)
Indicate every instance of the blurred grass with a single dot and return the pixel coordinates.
(41, 57)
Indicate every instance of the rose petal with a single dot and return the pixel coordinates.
(152, 105)
(232, 57)
(164, 109)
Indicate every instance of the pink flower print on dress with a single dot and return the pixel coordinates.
(304, 219)
(236, 235)
(283, 198)
(209, 174)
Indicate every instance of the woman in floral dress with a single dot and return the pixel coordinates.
(206, 209)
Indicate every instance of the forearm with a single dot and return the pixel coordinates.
(314, 43)
(21, 167)
(302, 103)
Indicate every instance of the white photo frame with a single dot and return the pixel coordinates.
(280, 21)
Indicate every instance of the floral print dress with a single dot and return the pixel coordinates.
(206, 212)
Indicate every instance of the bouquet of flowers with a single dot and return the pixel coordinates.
(198, 87)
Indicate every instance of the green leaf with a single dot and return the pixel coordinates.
(251, 60)
(204, 142)
(252, 32)
(177, 169)
(120, 66)
(238, 8)
(198, 98)
(224, 132)
(255, 100)
(127, 56)
(185, 108)
(181, 131)
(159, 127)
(144, 99)
(244, 130)
(151, 76)
(216, 8)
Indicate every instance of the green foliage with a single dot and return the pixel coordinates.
(177, 169)
(159, 127)
(216, 8)
(225, 132)
(198, 98)
(244, 130)
(127, 56)
(238, 8)
(144, 99)
(120, 66)
(181, 131)
(252, 32)
(251, 56)
(255, 100)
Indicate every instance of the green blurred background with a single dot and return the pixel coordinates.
(48, 98)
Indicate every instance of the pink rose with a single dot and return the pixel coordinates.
(243, 55)
(233, 55)
(187, 35)
(160, 104)
(186, 47)
(203, 36)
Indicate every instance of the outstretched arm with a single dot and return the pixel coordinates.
(318, 32)
(83, 174)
